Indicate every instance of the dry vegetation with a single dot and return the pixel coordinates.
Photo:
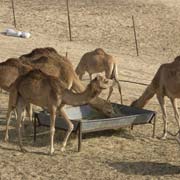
(107, 24)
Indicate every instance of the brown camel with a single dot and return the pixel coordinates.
(43, 90)
(56, 65)
(166, 82)
(10, 70)
(99, 61)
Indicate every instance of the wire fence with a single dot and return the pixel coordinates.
(105, 23)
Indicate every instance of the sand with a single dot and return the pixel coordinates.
(116, 154)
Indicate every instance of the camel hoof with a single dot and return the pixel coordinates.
(51, 152)
(163, 137)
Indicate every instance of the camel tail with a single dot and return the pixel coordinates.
(114, 73)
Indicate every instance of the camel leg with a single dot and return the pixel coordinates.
(52, 129)
(9, 113)
(29, 111)
(22, 122)
(176, 114)
(8, 117)
(119, 88)
(15, 113)
(110, 92)
(164, 114)
(70, 128)
(20, 111)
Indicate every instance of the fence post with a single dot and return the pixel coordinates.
(135, 38)
(12, 1)
(69, 21)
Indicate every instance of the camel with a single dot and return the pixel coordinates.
(43, 90)
(166, 82)
(10, 70)
(56, 65)
(99, 61)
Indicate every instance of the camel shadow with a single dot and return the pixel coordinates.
(18, 151)
(145, 168)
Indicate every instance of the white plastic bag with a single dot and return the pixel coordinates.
(12, 32)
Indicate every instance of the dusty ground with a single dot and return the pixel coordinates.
(106, 24)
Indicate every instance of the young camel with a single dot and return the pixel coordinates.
(56, 65)
(166, 82)
(98, 61)
(43, 90)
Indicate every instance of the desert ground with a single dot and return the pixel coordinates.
(116, 154)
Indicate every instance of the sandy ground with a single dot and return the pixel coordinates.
(108, 155)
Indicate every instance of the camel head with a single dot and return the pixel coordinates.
(133, 104)
(100, 83)
(136, 103)
(108, 109)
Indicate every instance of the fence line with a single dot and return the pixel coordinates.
(134, 82)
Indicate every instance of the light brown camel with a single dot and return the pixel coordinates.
(166, 82)
(99, 61)
(56, 65)
(43, 90)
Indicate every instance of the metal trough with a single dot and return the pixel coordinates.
(86, 119)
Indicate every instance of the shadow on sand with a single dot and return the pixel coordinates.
(145, 168)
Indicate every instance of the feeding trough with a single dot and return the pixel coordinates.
(86, 119)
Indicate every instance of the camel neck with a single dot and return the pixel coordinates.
(74, 99)
(146, 96)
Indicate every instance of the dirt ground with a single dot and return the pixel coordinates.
(115, 154)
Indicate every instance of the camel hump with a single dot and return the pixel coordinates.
(99, 51)
(45, 50)
(50, 49)
(38, 51)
